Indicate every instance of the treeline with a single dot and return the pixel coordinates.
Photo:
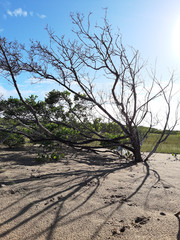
(157, 131)
(13, 138)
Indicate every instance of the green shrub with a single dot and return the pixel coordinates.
(14, 140)
(51, 157)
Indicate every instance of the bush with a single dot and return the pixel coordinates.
(50, 151)
(14, 140)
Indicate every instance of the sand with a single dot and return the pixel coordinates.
(88, 197)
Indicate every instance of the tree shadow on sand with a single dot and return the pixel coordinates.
(25, 156)
(178, 218)
(66, 186)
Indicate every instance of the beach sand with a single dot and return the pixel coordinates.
(88, 196)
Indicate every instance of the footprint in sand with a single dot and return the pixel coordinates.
(139, 221)
(115, 198)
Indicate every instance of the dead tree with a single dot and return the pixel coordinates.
(96, 54)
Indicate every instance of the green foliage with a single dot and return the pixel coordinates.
(97, 126)
(13, 140)
(59, 113)
(14, 108)
(111, 127)
(111, 131)
(55, 97)
(51, 126)
(49, 151)
(68, 118)
(51, 157)
(68, 133)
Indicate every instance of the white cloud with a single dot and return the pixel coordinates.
(42, 16)
(6, 93)
(20, 12)
(3, 91)
(1, 30)
(36, 80)
(17, 13)
(9, 13)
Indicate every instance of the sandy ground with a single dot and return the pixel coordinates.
(88, 197)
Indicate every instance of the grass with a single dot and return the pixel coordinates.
(171, 145)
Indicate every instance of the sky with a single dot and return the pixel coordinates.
(150, 26)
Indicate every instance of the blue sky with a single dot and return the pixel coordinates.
(150, 26)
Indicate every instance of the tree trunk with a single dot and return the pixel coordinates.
(137, 156)
(137, 153)
(136, 145)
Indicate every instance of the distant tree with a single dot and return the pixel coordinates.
(75, 65)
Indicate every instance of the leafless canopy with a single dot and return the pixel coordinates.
(96, 54)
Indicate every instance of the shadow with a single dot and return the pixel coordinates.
(102, 160)
(75, 184)
(125, 200)
(25, 156)
(65, 187)
(158, 179)
(15, 149)
(178, 217)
